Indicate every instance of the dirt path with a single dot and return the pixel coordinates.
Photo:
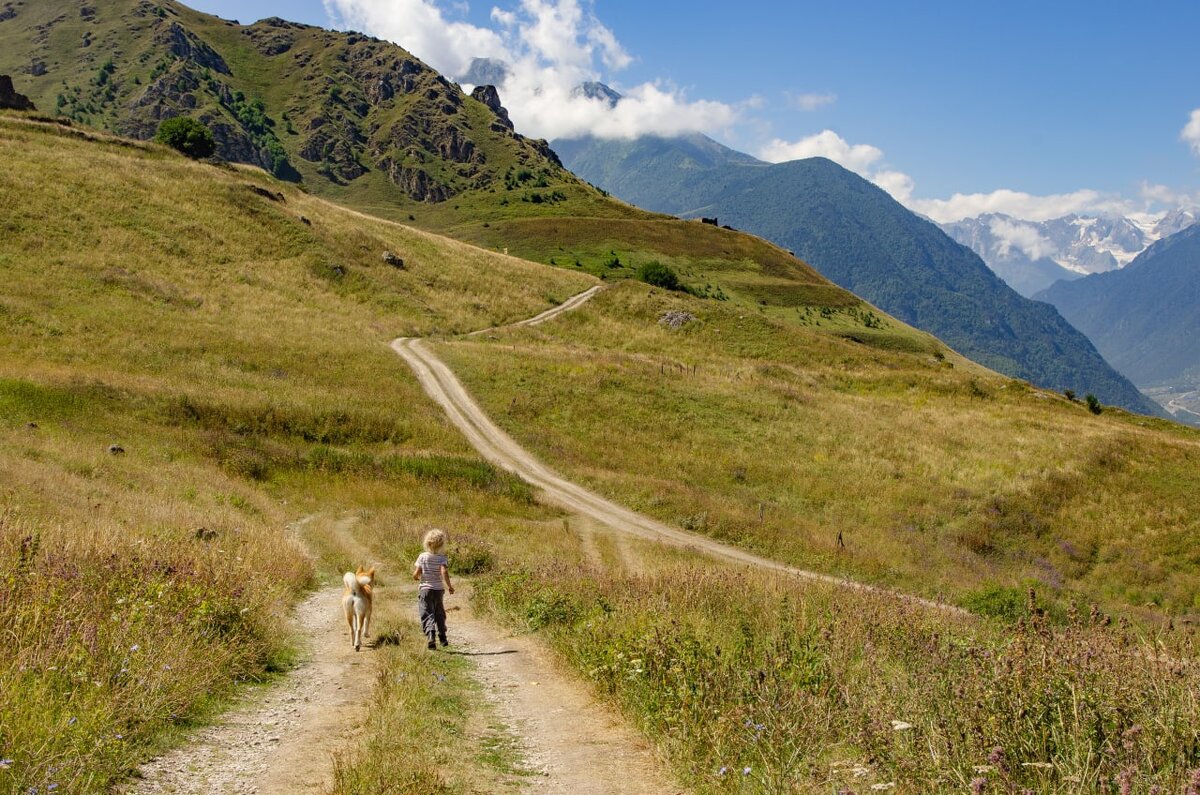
(282, 738)
(499, 448)
(571, 742)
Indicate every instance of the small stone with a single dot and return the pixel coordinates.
(393, 260)
(116, 449)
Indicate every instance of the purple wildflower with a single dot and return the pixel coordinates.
(977, 785)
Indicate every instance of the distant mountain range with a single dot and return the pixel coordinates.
(1032, 255)
(865, 241)
(1144, 318)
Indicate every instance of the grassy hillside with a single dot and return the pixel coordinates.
(786, 430)
(365, 123)
(229, 334)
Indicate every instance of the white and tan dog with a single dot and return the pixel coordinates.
(356, 602)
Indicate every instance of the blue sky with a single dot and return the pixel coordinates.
(1033, 108)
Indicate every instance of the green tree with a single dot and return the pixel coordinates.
(186, 135)
(1093, 404)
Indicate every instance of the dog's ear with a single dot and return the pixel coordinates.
(370, 572)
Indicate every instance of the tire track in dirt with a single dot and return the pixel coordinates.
(281, 739)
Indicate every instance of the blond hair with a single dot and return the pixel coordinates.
(435, 540)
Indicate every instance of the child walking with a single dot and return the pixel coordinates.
(432, 570)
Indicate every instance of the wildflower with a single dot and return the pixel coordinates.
(51, 787)
(119, 736)
(1124, 781)
(901, 726)
(996, 757)
(5, 764)
(71, 721)
(977, 785)
(722, 771)
(135, 647)
(746, 770)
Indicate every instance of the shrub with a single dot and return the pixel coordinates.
(659, 275)
(1093, 404)
(186, 135)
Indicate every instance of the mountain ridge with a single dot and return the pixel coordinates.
(861, 238)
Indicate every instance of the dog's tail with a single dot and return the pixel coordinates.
(351, 581)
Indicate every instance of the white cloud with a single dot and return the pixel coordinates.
(807, 102)
(1167, 196)
(897, 183)
(868, 161)
(1191, 132)
(1023, 237)
(550, 46)
(1019, 205)
(827, 143)
(420, 27)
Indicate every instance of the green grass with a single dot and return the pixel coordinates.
(234, 344)
(767, 432)
(171, 308)
(754, 683)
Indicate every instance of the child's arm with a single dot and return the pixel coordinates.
(446, 579)
(417, 572)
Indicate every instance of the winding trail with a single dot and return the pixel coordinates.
(495, 445)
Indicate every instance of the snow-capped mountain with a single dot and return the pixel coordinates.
(1032, 255)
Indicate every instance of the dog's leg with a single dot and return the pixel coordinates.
(367, 623)
(356, 631)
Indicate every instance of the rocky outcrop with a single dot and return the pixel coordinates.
(188, 46)
(416, 182)
(273, 36)
(489, 96)
(10, 99)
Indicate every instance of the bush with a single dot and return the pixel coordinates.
(186, 135)
(659, 275)
(1093, 404)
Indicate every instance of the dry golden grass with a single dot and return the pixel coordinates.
(941, 479)
(230, 335)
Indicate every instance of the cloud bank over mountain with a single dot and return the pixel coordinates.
(540, 52)
(548, 48)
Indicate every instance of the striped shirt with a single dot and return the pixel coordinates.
(431, 570)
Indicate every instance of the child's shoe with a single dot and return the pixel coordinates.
(431, 645)
(445, 642)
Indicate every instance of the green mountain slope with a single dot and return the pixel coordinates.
(348, 114)
(365, 123)
(1144, 318)
(862, 239)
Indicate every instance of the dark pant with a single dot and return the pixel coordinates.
(433, 613)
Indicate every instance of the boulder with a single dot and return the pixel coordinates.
(10, 99)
